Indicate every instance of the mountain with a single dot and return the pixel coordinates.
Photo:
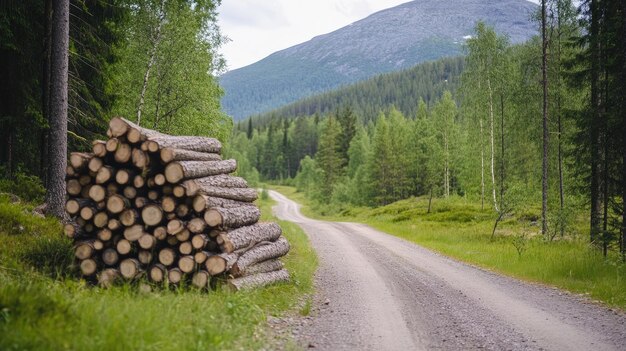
(389, 40)
(367, 98)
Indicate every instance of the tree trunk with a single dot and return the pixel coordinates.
(623, 87)
(194, 186)
(493, 152)
(57, 141)
(177, 171)
(261, 253)
(596, 154)
(156, 40)
(234, 217)
(482, 167)
(246, 237)
(546, 135)
(258, 280)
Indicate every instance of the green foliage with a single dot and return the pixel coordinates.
(26, 187)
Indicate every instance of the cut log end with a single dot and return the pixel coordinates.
(174, 173)
(130, 268)
(200, 279)
(152, 215)
(88, 267)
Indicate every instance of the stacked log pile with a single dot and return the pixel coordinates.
(147, 204)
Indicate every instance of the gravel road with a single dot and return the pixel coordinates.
(379, 292)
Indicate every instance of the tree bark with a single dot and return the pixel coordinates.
(595, 126)
(262, 267)
(493, 152)
(57, 139)
(261, 253)
(546, 135)
(246, 237)
(202, 202)
(258, 280)
(234, 217)
(194, 186)
(177, 171)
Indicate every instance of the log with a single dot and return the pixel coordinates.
(73, 206)
(182, 210)
(177, 171)
(201, 256)
(114, 224)
(99, 148)
(124, 247)
(191, 143)
(168, 203)
(121, 126)
(169, 155)
(202, 202)
(129, 192)
(84, 180)
(101, 219)
(140, 158)
(110, 257)
(186, 264)
(262, 267)
(104, 174)
(97, 193)
(196, 225)
(104, 234)
(95, 164)
(159, 179)
(260, 253)
(183, 235)
(147, 241)
(157, 273)
(153, 195)
(218, 264)
(167, 256)
(84, 191)
(171, 240)
(133, 233)
(123, 153)
(152, 215)
(175, 226)
(239, 194)
(174, 275)
(80, 160)
(112, 144)
(88, 267)
(200, 241)
(194, 186)
(178, 191)
(108, 277)
(112, 189)
(185, 248)
(160, 233)
(130, 268)
(200, 279)
(88, 211)
(233, 217)
(139, 182)
(73, 187)
(249, 236)
(258, 280)
(124, 176)
(117, 204)
(84, 250)
(140, 202)
(70, 172)
(145, 257)
(129, 217)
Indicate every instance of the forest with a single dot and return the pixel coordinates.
(536, 126)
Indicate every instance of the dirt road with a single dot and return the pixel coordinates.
(379, 292)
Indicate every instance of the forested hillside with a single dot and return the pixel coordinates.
(386, 41)
(497, 139)
(367, 98)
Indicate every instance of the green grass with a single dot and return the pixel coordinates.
(43, 306)
(459, 228)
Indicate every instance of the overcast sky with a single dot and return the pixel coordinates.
(257, 28)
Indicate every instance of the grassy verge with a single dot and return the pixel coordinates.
(44, 307)
(460, 229)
